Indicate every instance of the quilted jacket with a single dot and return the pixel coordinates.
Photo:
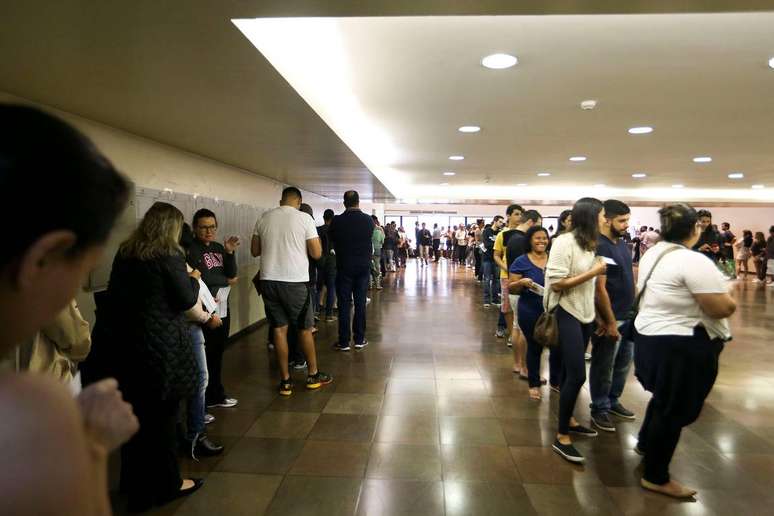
(142, 334)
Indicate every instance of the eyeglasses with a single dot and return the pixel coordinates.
(207, 228)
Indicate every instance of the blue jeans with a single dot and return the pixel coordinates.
(491, 283)
(196, 403)
(610, 364)
(349, 286)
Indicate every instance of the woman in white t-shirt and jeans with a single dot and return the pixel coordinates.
(681, 329)
(570, 276)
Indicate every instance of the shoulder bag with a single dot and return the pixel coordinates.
(628, 331)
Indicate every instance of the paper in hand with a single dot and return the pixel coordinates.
(209, 302)
(223, 301)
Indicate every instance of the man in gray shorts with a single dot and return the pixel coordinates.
(284, 238)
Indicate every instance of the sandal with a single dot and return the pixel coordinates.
(534, 394)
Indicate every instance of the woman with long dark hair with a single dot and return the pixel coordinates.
(744, 253)
(570, 278)
(681, 329)
(758, 252)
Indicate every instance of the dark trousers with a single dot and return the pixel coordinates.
(352, 286)
(327, 279)
(573, 336)
(461, 250)
(760, 266)
(535, 353)
(214, 346)
(149, 469)
(680, 372)
(477, 256)
(437, 249)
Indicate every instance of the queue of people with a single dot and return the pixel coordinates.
(163, 323)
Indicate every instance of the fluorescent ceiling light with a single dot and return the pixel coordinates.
(639, 175)
(641, 130)
(449, 173)
(735, 175)
(771, 62)
(758, 187)
(521, 185)
(599, 185)
(678, 186)
(444, 184)
(702, 159)
(469, 129)
(544, 174)
(578, 158)
(499, 61)
(456, 158)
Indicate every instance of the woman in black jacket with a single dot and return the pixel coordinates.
(144, 324)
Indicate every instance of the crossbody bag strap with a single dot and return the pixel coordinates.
(636, 306)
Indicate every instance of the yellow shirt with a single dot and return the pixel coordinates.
(499, 246)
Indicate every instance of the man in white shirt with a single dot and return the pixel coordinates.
(461, 238)
(284, 238)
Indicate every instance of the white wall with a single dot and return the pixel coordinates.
(153, 165)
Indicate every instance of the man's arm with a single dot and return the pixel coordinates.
(605, 307)
(314, 248)
(255, 246)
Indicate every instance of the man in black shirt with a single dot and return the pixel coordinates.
(218, 267)
(613, 354)
(709, 241)
(425, 241)
(350, 234)
(489, 270)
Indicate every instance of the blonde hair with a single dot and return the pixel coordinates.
(157, 235)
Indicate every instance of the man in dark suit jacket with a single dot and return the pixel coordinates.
(350, 233)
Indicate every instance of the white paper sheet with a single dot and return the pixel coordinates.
(222, 299)
(537, 289)
(209, 302)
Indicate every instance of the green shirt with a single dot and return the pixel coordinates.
(377, 239)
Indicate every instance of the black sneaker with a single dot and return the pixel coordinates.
(286, 387)
(619, 410)
(568, 452)
(341, 347)
(361, 345)
(318, 380)
(582, 430)
(602, 421)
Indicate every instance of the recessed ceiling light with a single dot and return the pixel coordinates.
(456, 158)
(735, 175)
(578, 158)
(639, 175)
(771, 62)
(499, 61)
(522, 184)
(469, 129)
(702, 159)
(678, 186)
(449, 173)
(758, 187)
(544, 174)
(640, 130)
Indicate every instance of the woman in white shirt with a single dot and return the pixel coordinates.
(570, 277)
(681, 330)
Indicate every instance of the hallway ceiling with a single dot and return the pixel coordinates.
(182, 74)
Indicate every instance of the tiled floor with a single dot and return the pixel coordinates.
(429, 420)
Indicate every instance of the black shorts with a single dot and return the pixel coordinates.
(287, 303)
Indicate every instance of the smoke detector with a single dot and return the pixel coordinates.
(588, 105)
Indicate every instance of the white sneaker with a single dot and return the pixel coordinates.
(487, 305)
(368, 300)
